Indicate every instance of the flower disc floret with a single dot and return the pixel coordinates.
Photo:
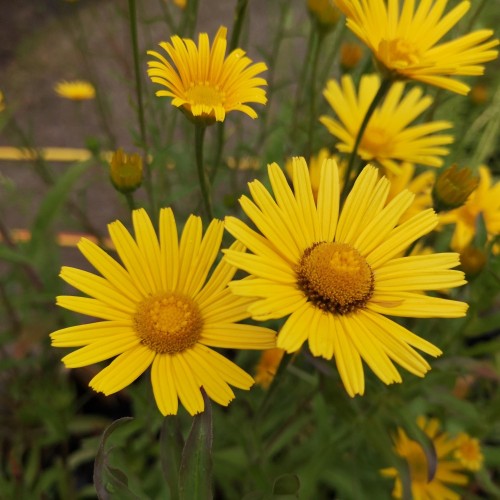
(335, 277)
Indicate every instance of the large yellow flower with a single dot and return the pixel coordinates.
(159, 310)
(485, 202)
(449, 471)
(205, 82)
(389, 139)
(337, 273)
(76, 90)
(405, 40)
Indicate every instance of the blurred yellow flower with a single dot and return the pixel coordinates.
(324, 12)
(336, 273)
(479, 94)
(204, 82)
(181, 3)
(424, 484)
(267, 367)
(76, 90)
(350, 55)
(468, 452)
(420, 185)
(160, 309)
(389, 139)
(315, 164)
(485, 202)
(404, 40)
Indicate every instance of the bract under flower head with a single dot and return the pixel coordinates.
(203, 81)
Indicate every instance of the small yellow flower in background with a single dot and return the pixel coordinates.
(181, 3)
(485, 202)
(267, 367)
(243, 163)
(350, 55)
(453, 187)
(404, 40)
(420, 185)
(479, 94)
(76, 90)
(336, 274)
(160, 310)
(315, 165)
(204, 82)
(449, 471)
(389, 139)
(468, 452)
(324, 12)
(472, 260)
(125, 171)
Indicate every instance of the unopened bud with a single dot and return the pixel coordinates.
(453, 187)
(324, 12)
(350, 55)
(472, 261)
(125, 171)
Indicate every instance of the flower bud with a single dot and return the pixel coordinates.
(125, 171)
(472, 261)
(350, 55)
(453, 187)
(324, 12)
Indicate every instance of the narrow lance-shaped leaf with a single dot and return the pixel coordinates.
(171, 445)
(195, 475)
(109, 481)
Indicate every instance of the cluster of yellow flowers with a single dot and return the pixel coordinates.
(334, 271)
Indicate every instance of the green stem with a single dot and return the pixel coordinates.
(189, 21)
(130, 201)
(199, 136)
(312, 94)
(148, 180)
(301, 85)
(382, 91)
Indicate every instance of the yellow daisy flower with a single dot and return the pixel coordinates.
(448, 470)
(468, 452)
(77, 90)
(203, 81)
(268, 366)
(337, 273)
(484, 201)
(404, 40)
(388, 139)
(160, 310)
(420, 185)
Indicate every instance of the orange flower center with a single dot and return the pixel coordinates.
(335, 277)
(168, 322)
(376, 142)
(205, 94)
(398, 53)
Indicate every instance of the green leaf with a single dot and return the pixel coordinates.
(286, 485)
(52, 204)
(195, 474)
(171, 444)
(13, 255)
(109, 481)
